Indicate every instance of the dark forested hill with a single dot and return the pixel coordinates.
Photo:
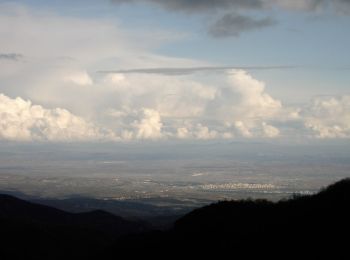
(41, 232)
(314, 225)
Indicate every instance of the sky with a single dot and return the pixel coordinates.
(152, 70)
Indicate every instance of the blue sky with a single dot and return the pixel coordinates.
(61, 46)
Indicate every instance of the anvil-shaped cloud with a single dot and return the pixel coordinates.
(51, 91)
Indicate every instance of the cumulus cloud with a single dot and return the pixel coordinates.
(270, 131)
(172, 97)
(329, 117)
(234, 24)
(150, 125)
(148, 103)
(254, 101)
(182, 133)
(199, 132)
(203, 132)
(186, 109)
(243, 129)
(49, 78)
(23, 121)
(245, 106)
(241, 108)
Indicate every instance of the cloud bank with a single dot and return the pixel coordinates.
(158, 107)
(329, 117)
(60, 97)
(23, 121)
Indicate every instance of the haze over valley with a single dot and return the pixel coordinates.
(171, 175)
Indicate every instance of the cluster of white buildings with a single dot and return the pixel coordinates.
(238, 186)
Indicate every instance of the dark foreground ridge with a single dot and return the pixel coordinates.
(303, 225)
(35, 231)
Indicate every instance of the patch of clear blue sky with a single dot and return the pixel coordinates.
(318, 44)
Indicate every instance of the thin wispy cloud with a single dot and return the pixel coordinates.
(199, 6)
(11, 56)
(192, 70)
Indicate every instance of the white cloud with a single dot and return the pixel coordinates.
(270, 131)
(185, 106)
(227, 135)
(114, 79)
(253, 101)
(245, 104)
(80, 78)
(203, 132)
(183, 133)
(198, 131)
(172, 97)
(243, 130)
(150, 125)
(134, 106)
(23, 121)
(60, 49)
(254, 105)
(143, 110)
(329, 117)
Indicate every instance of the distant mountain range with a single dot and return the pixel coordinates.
(142, 208)
(303, 225)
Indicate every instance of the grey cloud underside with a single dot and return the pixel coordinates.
(187, 71)
(343, 1)
(11, 56)
(235, 24)
(200, 5)
(343, 6)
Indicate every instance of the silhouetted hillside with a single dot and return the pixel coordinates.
(302, 226)
(29, 229)
(262, 216)
(313, 225)
(160, 217)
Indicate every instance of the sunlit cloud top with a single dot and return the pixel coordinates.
(153, 70)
